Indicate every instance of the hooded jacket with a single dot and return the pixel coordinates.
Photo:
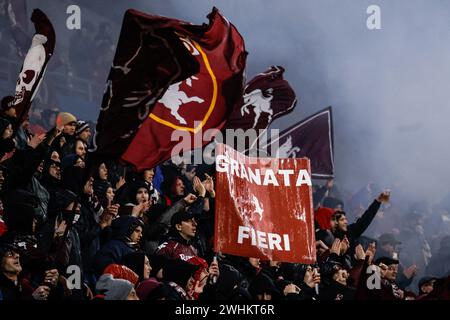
(120, 246)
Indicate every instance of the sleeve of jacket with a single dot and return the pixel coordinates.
(197, 207)
(355, 230)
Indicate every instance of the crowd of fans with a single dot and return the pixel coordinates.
(122, 235)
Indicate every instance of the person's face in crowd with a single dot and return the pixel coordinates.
(389, 272)
(342, 223)
(254, 262)
(132, 295)
(86, 135)
(40, 168)
(149, 174)
(136, 235)
(2, 179)
(341, 277)
(55, 171)
(187, 229)
(103, 172)
(142, 195)
(11, 112)
(147, 268)
(428, 287)
(264, 297)
(8, 132)
(389, 248)
(55, 156)
(11, 263)
(70, 128)
(80, 149)
(179, 187)
(110, 194)
(25, 124)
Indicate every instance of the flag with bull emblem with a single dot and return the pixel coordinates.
(35, 63)
(149, 57)
(267, 97)
(202, 101)
(311, 138)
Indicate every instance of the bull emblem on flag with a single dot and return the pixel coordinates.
(174, 98)
(261, 101)
(286, 150)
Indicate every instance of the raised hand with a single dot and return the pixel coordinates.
(410, 272)
(120, 183)
(199, 187)
(51, 277)
(336, 246)
(345, 244)
(190, 198)
(359, 252)
(291, 288)
(36, 140)
(370, 253)
(208, 183)
(312, 277)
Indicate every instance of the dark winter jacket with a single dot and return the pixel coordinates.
(120, 246)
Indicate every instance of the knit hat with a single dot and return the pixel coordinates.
(65, 118)
(113, 289)
(7, 102)
(121, 272)
(81, 126)
(323, 217)
(144, 288)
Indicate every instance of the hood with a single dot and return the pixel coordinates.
(263, 284)
(20, 210)
(124, 226)
(113, 289)
(323, 217)
(135, 261)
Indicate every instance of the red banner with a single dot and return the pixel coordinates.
(264, 207)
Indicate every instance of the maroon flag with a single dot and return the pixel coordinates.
(197, 103)
(149, 57)
(311, 138)
(35, 64)
(267, 97)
